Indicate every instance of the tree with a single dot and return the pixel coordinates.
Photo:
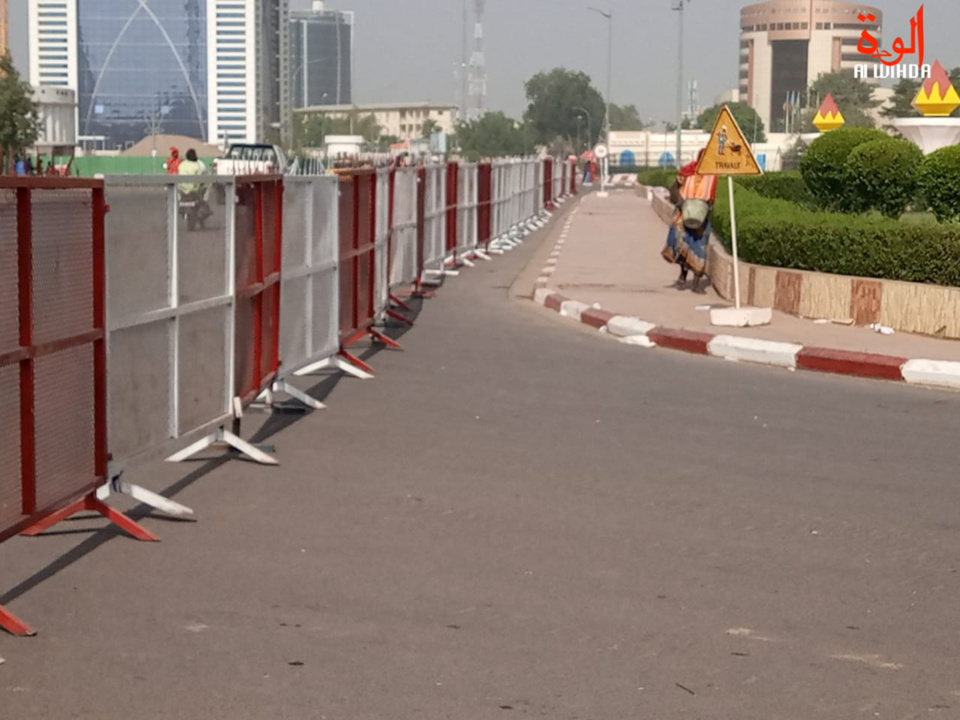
(429, 127)
(626, 118)
(904, 92)
(746, 117)
(553, 101)
(854, 97)
(19, 119)
(493, 135)
(385, 141)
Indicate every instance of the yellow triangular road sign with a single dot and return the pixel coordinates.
(728, 152)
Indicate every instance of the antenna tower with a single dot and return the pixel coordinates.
(478, 64)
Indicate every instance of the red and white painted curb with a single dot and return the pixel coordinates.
(634, 331)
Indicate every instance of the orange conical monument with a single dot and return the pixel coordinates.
(828, 117)
(937, 96)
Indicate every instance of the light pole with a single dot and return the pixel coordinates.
(606, 124)
(678, 7)
(589, 123)
(579, 120)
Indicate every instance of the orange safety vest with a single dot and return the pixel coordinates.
(699, 187)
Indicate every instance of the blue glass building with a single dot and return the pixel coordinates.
(142, 65)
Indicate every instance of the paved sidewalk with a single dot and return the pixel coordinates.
(611, 257)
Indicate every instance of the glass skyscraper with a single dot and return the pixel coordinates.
(142, 68)
(321, 49)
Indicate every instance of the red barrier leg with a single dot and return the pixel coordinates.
(389, 342)
(398, 317)
(14, 625)
(92, 504)
(397, 301)
(356, 362)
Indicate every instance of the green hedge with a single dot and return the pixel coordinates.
(781, 186)
(940, 183)
(882, 175)
(824, 164)
(658, 177)
(781, 234)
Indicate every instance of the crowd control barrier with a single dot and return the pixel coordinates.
(53, 359)
(149, 330)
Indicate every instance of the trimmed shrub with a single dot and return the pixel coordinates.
(782, 234)
(940, 183)
(658, 177)
(781, 186)
(824, 164)
(883, 175)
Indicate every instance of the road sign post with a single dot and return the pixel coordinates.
(728, 153)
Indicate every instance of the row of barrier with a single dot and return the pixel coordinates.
(147, 331)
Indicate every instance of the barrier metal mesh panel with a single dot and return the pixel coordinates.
(403, 262)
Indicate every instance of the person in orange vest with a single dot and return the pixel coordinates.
(694, 196)
(172, 165)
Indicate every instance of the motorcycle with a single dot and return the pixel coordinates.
(194, 209)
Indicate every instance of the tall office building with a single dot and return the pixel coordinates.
(209, 69)
(321, 57)
(786, 44)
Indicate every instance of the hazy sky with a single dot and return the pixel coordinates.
(408, 50)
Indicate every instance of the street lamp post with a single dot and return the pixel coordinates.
(606, 124)
(589, 123)
(579, 120)
(678, 6)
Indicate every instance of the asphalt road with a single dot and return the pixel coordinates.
(520, 518)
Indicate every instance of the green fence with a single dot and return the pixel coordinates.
(90, 165)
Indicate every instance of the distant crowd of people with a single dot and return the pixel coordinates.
(27, 166)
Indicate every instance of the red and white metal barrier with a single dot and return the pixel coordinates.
(467, 238)
(255, 348)
(358, 263)
(434, 219)
(53, 358)
(485, 194)
(309, 284)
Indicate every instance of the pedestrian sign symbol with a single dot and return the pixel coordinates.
(728, 152)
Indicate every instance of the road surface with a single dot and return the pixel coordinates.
(521, 518)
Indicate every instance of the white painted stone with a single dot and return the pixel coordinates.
(744, 317)
(639, 341)
(549, 270)
(552, 261)
(764, 352)
(932, 373)
(541, 295)
(623, 326)
(573, 309)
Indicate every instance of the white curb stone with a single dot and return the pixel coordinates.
(934, 373)
(753, 350)
(639, 340)
(573, 309)
(623, 326)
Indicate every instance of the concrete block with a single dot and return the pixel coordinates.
(623, 326)
(541, 294)
(744, 317)
(639, 341)
(933, 373)
(573, 309)
(764, 352)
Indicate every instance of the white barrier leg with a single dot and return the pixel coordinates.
(224, 436)
(282, 386)
(142, 495)
(482, 254)
(335, 363)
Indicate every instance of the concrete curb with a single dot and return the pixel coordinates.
(631, 330)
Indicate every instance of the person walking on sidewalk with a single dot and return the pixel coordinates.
(694, 196)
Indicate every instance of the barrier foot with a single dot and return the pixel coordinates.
(467, 262)
(398, 317)
(380, 337)
(357, 364)
(282, 386)
(224, 436)
(336, 364)
(482, 254)
(144, 496)
(400, 303)
(441, 273)
(14, 625)
(93, 504)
